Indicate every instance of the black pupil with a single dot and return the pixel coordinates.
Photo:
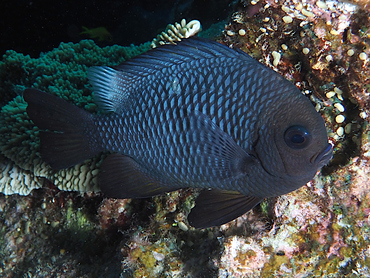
(297, 137)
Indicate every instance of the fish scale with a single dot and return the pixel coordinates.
(156, 136)
(197, 114)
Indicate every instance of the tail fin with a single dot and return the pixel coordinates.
(64, 127)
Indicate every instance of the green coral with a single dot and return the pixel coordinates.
(19, 136)
(61, 71)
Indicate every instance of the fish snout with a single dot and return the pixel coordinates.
(323, 157)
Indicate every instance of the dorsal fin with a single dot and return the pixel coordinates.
(114, 87)
(111, 87)
(187, 50)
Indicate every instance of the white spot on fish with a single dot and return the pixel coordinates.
(175, 87)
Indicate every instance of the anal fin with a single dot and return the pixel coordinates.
(122, 177)
(216, 207)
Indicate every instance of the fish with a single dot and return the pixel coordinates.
(100, 33)
(197, 114)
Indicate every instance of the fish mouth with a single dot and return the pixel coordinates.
(323, 157)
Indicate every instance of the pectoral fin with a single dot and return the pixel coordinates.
(216, 207)
(216, 150)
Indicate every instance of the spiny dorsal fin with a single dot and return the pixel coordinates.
(114, 87)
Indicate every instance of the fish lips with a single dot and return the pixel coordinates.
(323, 157)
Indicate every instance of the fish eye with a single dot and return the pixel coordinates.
(297, 137)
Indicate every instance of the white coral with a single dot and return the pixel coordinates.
(174, 33)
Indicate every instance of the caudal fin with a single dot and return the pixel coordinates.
(64, 131)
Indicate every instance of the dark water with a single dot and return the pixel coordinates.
(31, 27)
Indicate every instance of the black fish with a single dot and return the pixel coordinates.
(197, 114)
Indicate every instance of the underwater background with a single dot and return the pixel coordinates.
(57, 224)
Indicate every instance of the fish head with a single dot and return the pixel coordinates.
(292, 142)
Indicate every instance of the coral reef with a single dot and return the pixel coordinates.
(320, 230)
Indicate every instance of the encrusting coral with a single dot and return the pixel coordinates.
(62, 72)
